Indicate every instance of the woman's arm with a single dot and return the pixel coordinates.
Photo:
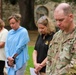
(2, 44)
(44, 62)
(35, 57)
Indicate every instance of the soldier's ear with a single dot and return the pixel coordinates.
(71, 17)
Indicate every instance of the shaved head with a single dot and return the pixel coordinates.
(64, 17)
(65, 7)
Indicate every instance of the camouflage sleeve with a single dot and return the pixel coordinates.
(72, 65)
(70, 68)
(48, 63)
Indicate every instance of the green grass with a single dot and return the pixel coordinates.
(30, 61)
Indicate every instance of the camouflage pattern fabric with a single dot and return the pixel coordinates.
(61, 58)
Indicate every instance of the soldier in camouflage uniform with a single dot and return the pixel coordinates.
(61, 57)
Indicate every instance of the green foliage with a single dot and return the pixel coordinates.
(56, 0)
(73, 1)
(30, 61)
(45, 1)
(13, 2)
(41, 1)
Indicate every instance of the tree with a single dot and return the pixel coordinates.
(27, 10)
(27, 13)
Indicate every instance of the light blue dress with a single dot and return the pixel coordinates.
(16, 42)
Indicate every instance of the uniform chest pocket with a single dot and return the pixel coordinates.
(66, 50)
(55, 45)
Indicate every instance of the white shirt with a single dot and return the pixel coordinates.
(3, 35)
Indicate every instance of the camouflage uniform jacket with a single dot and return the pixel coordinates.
(61, 54)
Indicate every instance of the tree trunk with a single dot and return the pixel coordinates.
(27, 12)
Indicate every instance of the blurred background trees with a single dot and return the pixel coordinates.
(27, 10)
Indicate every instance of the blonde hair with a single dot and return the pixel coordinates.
(17, 17)
(44, 20)
(2, 24)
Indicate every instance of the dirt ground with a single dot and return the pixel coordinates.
(33, 36)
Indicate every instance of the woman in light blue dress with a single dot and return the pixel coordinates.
(16, 46)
